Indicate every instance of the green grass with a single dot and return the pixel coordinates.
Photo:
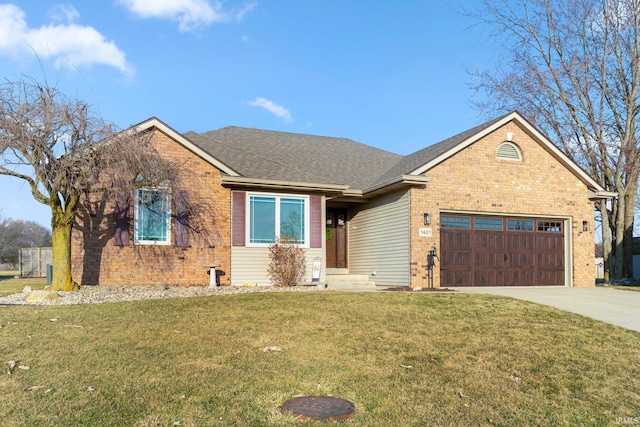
(10, 285)
(404, 359)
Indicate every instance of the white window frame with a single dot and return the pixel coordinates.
(278, 196)
(166, 194)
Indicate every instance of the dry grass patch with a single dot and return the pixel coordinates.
(403, 359)
(9, 284)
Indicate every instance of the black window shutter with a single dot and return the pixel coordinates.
(121, 219)
(182, 219)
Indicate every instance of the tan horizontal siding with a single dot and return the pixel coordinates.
(379, 240)
(249, 265)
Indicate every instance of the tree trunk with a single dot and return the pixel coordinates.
(61, 243)
(61, 226)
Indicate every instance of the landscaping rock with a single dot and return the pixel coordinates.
(159, 286)
(42, 296)
(26, 289)
(102, 294)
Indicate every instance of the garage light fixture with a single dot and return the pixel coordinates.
(585, 225)
(427, 218)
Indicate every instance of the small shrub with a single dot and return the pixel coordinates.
(287, 262)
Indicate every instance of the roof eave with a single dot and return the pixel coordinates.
(601, 195)
(396, 183)
(155, 123)
(246, 182)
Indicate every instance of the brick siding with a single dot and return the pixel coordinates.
(474, 180)
(96, 260)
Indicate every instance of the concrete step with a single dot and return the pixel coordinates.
(350, 281)
(333, 278)
(352, 286)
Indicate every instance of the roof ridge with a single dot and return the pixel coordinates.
(278, 131)
(310, 135)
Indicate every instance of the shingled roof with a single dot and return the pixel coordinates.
(410, 163)
(292, 157)
(280, 159)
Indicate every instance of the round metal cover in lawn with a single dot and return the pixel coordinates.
(321, 407)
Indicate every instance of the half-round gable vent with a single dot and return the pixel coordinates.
(509, 151)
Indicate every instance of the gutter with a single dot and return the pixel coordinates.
(336, 190)
(397, 182)
(241, 181)
(601, 195)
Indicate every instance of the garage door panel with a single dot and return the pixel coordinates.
(551, 261)
(456, 277)
(456, 241)
(520, 261)
(488, 241)
(550, 242)
(521, 242)
(455, 249)
(529, 253)
(489, 260)
(488, 277)
(551, 277)
(520, 277)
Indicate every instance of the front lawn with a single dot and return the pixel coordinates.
(10, 283)
(403, 358)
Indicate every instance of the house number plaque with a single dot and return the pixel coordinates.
(426, 232)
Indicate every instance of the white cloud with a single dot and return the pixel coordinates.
(239, 14)
(63, 13)
(68, 44)
(190, 14)
(276, 109)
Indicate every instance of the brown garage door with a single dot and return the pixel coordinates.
(501, 251)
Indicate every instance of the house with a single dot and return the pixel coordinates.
(498, 205)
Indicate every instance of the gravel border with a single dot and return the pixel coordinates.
(104, 294)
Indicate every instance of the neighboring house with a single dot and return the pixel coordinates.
(600, 263)
(636, 258)
(499, 203)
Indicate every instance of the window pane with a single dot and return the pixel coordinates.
(262, 227)
(520, 225)
(488, 224)
(454, 222)
(292, 219)
(551, 226)
(152, 214)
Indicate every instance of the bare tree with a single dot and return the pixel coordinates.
(63, 150)
(16, 234)
(573, 69)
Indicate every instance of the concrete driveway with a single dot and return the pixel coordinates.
(614, 306)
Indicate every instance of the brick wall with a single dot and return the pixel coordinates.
(97, 260)
(474, 180)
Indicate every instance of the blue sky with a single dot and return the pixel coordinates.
(388, 74)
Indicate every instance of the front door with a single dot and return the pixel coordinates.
(336, 238)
